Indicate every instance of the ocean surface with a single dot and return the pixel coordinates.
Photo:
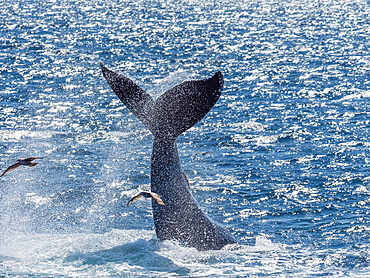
(284, 157)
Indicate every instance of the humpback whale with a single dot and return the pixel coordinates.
(174, 112)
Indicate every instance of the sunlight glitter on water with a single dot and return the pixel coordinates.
(288, 166)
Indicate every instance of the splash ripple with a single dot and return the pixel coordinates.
(288, 142)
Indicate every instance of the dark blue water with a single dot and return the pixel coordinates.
(288, 168)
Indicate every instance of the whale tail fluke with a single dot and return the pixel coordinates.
(136, 99)
(181, 107)
(176, 110)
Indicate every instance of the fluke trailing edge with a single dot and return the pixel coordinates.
(175, 111)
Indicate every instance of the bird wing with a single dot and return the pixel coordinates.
(11, 168)
(201, 154)
(156, 197)
(135, 198)
(33, 158)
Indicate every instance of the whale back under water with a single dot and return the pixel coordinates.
(174, 112)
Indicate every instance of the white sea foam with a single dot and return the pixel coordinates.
(357, 95)
(289, 136)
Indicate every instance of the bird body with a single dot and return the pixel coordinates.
(146, 194)
(22, 162)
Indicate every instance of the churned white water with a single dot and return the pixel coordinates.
(284, 155)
